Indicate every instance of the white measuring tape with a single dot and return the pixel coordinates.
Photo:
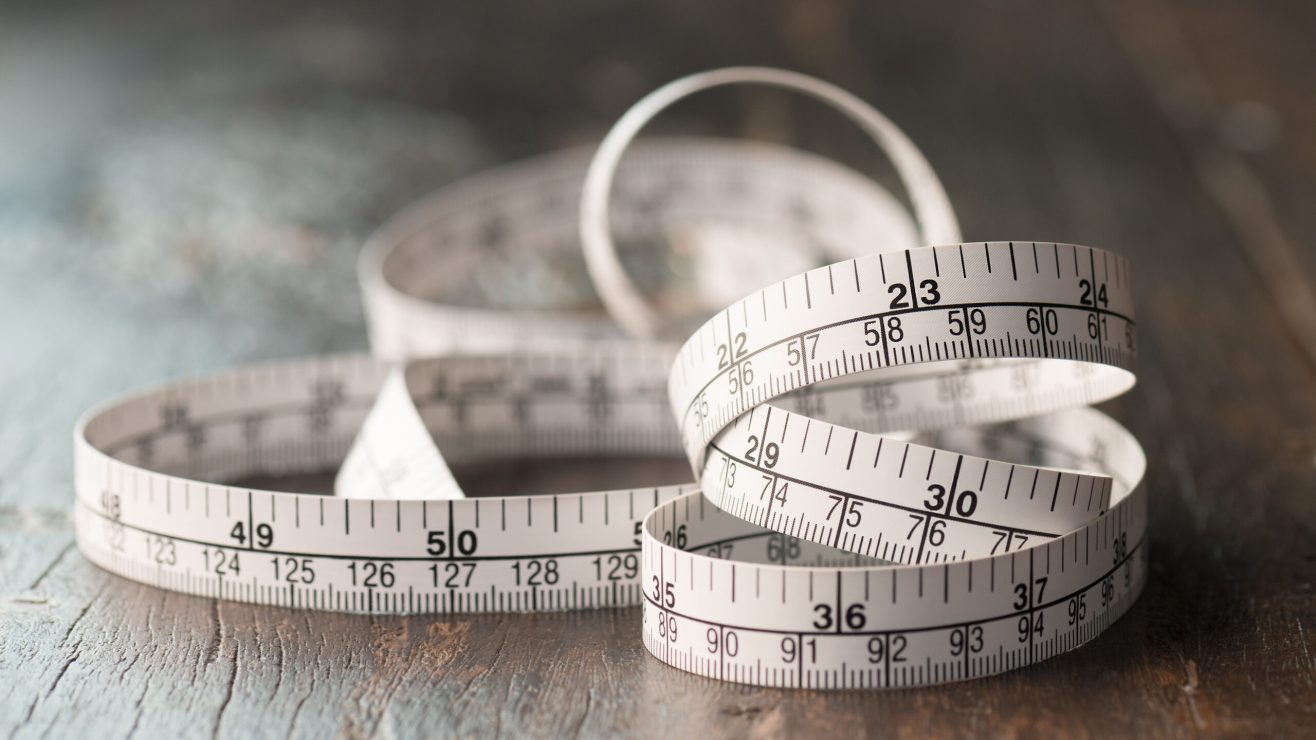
(849, 528)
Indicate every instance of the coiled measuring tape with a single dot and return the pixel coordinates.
(848, 529)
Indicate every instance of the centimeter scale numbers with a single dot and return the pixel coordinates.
(866, 627)
(837, 646)
(447, 571)
(981, 540)
(961, 302)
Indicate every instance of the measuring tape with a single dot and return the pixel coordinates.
(849, 527)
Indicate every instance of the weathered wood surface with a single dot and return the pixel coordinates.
(184, 187)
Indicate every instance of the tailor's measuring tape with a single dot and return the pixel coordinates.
(825, 545)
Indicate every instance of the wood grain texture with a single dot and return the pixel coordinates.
(185, 188)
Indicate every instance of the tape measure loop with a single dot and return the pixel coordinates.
(936, 220)
(898, 482)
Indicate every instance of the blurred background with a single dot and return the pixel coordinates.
(186, 186)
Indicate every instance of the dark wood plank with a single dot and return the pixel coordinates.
(231, 157)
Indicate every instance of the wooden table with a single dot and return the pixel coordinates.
(184, 187)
